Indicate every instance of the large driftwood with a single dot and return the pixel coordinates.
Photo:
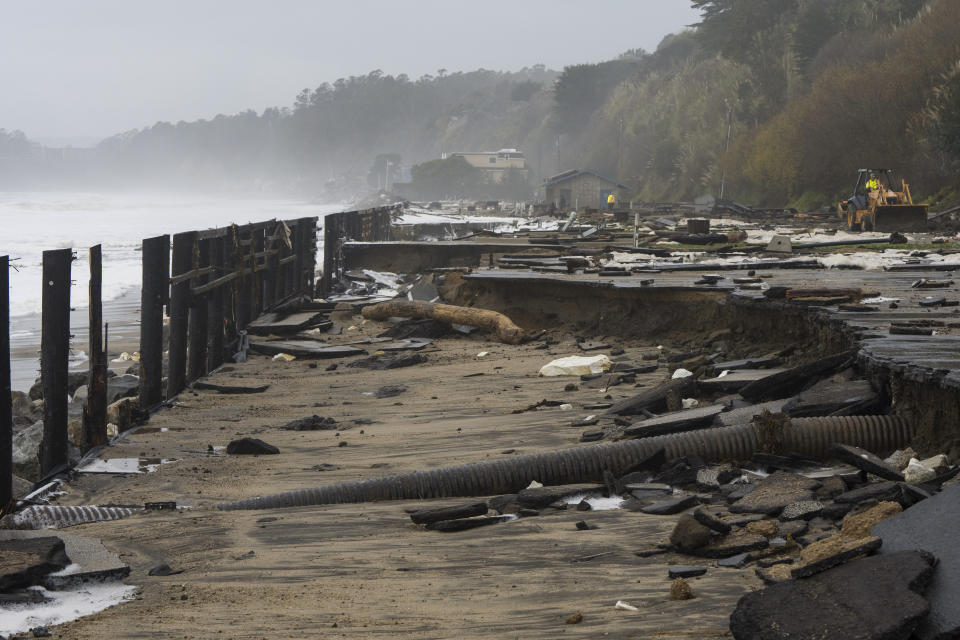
(500, 324)
(787, 382)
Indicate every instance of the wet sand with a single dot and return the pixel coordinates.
(123, 316)
(364, 570)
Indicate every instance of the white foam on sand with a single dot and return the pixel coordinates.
(597, 503)
(64, 606)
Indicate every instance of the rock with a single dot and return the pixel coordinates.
(739, 491)
(803, 510)
(24, 562)
(250, 447)
(835, 511)
(765, 528)
(829, 552)
(863, 459)
(26, 446)
(21, 487)
(41, 632)
(544, 496)
(671, 506)
(575, 618)
(917, 472)
(732, 544)
(312, 423)
(390, 390)
(711, 521)
(858, 525)
(899, 458)
(124, 386)
(775, 492)
(680, 590)
(871, 599)
(879, 491)
(685, 572)
(792, 529)
(163, 569)
(830, 487)
(735, 562)
(931, 525)
(708, 480)
(689, 535)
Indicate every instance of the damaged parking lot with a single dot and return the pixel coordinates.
(654, 454)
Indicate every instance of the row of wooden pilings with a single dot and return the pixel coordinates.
(210, 283)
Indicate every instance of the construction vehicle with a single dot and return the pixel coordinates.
(876, 206)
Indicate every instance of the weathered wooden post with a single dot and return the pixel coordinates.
(197, 360)
(215, 319)
(257, 242)
(182, 263)
(95, 410)
(329, 249)
(245, 262)
(6, 402)
(154, 292)
(54, 353)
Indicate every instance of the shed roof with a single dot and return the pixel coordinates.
(573, 173)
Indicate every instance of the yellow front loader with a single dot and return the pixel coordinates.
(876, 206)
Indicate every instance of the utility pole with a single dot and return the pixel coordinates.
(558, 154)
(620, 149)
(723, 173)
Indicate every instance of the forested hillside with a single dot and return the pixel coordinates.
(779, 100)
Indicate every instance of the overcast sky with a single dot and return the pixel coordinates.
(93, 68)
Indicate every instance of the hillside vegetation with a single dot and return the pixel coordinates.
(779, 100)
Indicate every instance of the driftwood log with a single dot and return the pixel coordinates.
(504, 328)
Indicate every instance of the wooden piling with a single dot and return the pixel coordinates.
(95, 409)
(245, 290)
(182, 262)
(6, 402)
(154, 292)
(197, 360)
(215, 307)
(54, 353)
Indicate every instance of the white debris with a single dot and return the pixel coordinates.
(918, 473)
(534, 485)
(483, 354)
(690, 403)
(576, 366)
(566, 407)
(681, 373)
(623, 606)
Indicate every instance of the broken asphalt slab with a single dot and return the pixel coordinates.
(305, 349)
(931, 525)
(27, 561)
(774, 493)
(877, 598)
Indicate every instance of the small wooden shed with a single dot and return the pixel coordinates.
(582, 188)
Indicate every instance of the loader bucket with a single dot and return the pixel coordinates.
(900, 217)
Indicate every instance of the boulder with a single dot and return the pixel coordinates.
(124, 386)
(876, 598)
(123, 413)
(26, 445)
(689, 534)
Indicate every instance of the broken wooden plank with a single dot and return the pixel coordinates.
(228, 389)
(676, 422)
(736, 380)
(785, 383)
(437, 514)
(287, 323)
(305, 349)
(657, 398)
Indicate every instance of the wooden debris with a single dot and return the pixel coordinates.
(504, 328)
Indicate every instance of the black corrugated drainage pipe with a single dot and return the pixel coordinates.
(806, 436)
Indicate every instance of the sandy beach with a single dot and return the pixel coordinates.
(364, 570)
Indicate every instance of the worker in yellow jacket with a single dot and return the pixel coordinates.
(611, 201)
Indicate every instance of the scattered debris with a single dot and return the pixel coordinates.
(250, 447)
